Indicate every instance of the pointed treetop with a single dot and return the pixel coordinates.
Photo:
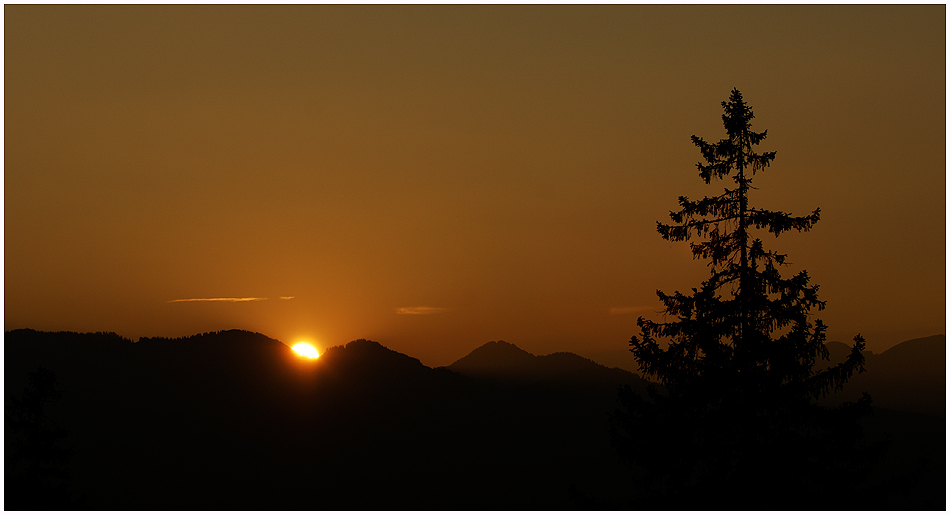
(734, 153)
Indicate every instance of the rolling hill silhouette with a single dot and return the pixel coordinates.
(503, 363)
(910, 376)
(234, 420)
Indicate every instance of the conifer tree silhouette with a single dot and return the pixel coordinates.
(35, 461)
(737, 424)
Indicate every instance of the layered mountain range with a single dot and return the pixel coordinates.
(910, 376)
(236, 420)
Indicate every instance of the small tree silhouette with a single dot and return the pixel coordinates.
(35, 461)
(737, 425)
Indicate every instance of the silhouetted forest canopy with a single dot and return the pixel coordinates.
(234, 420)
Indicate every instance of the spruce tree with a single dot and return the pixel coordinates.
(734, 421)
(36, 460)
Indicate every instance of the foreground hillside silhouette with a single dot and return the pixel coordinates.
(236, 420)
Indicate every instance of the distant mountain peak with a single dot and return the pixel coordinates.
(506, 363)
(502, 346)
(495, 356)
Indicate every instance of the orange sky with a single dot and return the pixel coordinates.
(437, 177)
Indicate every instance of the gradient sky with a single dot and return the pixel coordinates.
(434, 178)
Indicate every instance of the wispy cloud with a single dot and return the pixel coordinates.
(285, 298)
(221, 299)
(420, 310)
(626, 310)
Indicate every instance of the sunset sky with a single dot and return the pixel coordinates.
(436, 177)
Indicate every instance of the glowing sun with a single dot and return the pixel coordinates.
(306, 350)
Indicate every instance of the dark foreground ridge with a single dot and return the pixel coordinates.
(234, 420)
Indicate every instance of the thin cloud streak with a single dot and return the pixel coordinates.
(419, 310)
(221, 299)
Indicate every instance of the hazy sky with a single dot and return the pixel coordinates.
(434, 178)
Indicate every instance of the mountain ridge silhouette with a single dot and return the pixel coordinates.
(237, 420)
(910, 376)
(503, 363)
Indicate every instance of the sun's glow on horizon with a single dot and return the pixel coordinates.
(306, 350)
